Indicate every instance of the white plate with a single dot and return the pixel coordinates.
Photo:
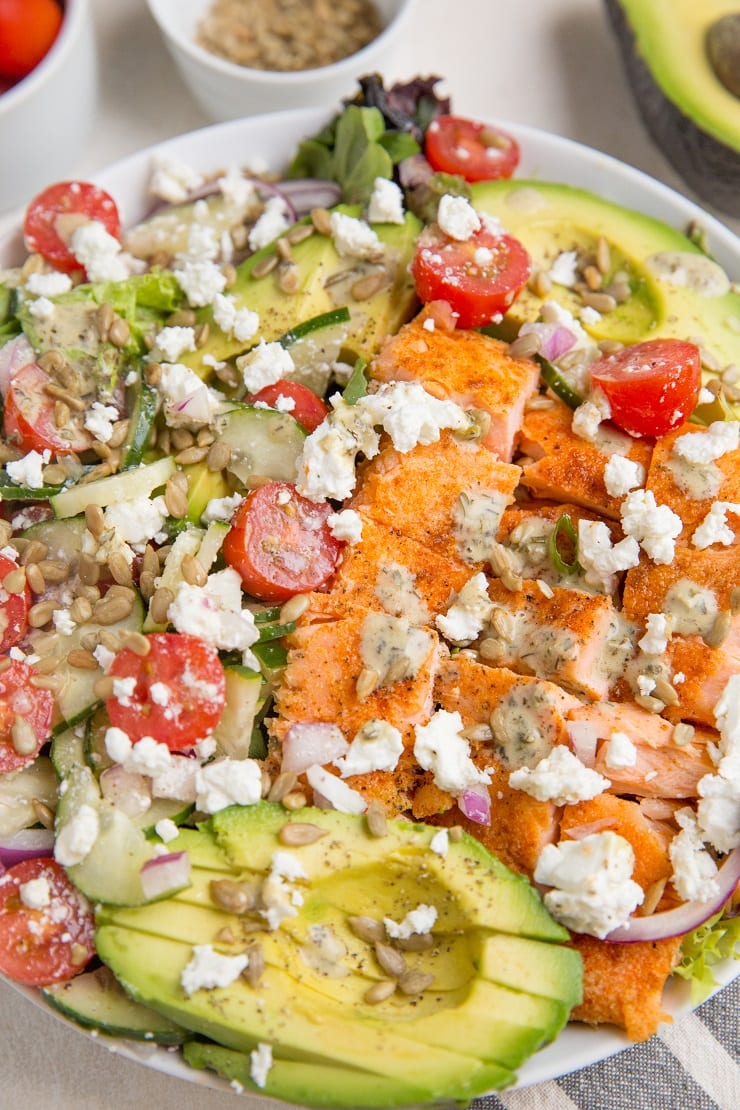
(271, 140)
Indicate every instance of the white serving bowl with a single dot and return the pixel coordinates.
(226, 90)
(46, 119)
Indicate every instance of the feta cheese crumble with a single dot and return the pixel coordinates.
(235, 319)
(694, 870)
(98, 252)
(705, 447)
(48, 285)
(655, 527)
(36, 893)
(418, 921)
(172, 342)
(273, 221)
(560, 778)
(260, 1063)
(386, 202)
(76, 839)
(620, 751)
(602, 560)
(714, 527)
(214, 612)
(173, 180)
(264, 365)
(377, 746)
(188, 402)
(29, 471)
(465, 618)
(99, 420)
(208, 969)
(657, 631)
(457, 217)
(228, 782)
(622, 475)
(354, 238)
(345, 526)
(441, 748)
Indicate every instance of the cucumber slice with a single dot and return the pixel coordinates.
(212, 543)
(244, 699)
(18, 790)
(127, 485)
(68, 750)
(264, 443)
(188, 542)
(142, 409)
(63, 538)
(96, 1000)
(111, 871)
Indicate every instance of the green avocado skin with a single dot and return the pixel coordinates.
(709, 164)
(504, 981)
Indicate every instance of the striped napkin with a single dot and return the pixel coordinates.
(692, 1064)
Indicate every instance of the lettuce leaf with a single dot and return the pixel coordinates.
(716, 940)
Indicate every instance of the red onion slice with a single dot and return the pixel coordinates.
(303, 194)
(414, 170)
(476, 805)
(14, 355)
(165, 875)
(306, 744)
(685, 918)
(26, 844)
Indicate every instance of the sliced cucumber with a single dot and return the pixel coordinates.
(111, 871)
(68, 750)
(186, 543)
(143, 409)
(18, 791)
(127, 485)
(63, 539)
(212, 543)
(264, 443)
(244, 698)
(96, 1000)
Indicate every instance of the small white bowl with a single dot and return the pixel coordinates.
(46, 119)
(226, 90)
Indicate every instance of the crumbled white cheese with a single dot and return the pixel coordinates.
(29, 471)
(235, 319)
(138, 521)
(657, 631)
(172, 342)
(166, 830)
(338, 794)
(714, 527)
(98, 252)
(287, 866)
(718, 811)
(48, 285)
(221, 508)
(214, 612)
(177, 781)
(260, 1063)
(326, 466)
(694, 870)
(377, 746)
(264, 365)
(273, 221)
(202, 244)
(354, 238)
(148, 757)
(36, 893)
(208, 969)
(440, 843)
(622, 475)
(228, 782)
(457, 217)
(704, 447)
(589, 416)
(564, 270)
(345, 526)
(99, 420)
(200, 281)
(465, 618)
(560, 778)
(42, 309)
(418, 921)
(600, 559)
(386, 202)
(441, 748)
(76, 839)
(620, 751)
(63, 622)
(188, 402)
(237, 190)
(173, 180)
(410, 415)
(104, 657)
(655, 527)
(593, 891)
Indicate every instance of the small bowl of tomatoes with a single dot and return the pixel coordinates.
(48, 87)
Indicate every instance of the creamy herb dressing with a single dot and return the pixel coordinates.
(699, 481)
(396, 591)
(392, 647)
(523, 730)
(692, 608)
(475, 523)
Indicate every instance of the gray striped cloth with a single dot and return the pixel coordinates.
(692, 1064)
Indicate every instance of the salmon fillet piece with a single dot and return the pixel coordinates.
(706, 670)
(448, 496)
(623, 983)
(691, 490)
(716, 569)
(467, 367)
(572, 638)
(663, 769)
(564, 466)
(525, 532)
(387, 570)
(624, 817)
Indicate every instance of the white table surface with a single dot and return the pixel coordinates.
(548, 63)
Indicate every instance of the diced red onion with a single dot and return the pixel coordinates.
(414, 170)
(557, 343)
(303, 194)
(126, 790)
(577, 832)
(583, 739)
(475, 803)
(165, 875)
(25, 844)
(14, 355)
(685, 918)
(306, 744)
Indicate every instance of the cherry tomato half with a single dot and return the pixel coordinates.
(13, 609)
(652, 387)
(49, 944)
(280, 543)
(308, 409)
(479, 277)
(190, 694)
(29, 417)
(470, 149)
(27, 30)
(22, 707)
(54, 214)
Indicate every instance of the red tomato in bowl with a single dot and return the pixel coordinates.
(308, 409)
(479, 277)
(48, 944)
(52, 216)
(28, 29)
(470, 149)
(20, 702)
(280, 543)
(29, 421)
(652, 387)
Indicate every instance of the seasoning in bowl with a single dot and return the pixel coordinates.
(288, 35)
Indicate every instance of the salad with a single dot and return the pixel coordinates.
(367, 532)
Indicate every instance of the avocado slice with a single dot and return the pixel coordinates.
(325, 282)
(463, 1035)
(687, 109)
(551, 218)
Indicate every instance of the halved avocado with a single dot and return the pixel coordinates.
(696, 301)
(466, 1033)
(689, 112)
